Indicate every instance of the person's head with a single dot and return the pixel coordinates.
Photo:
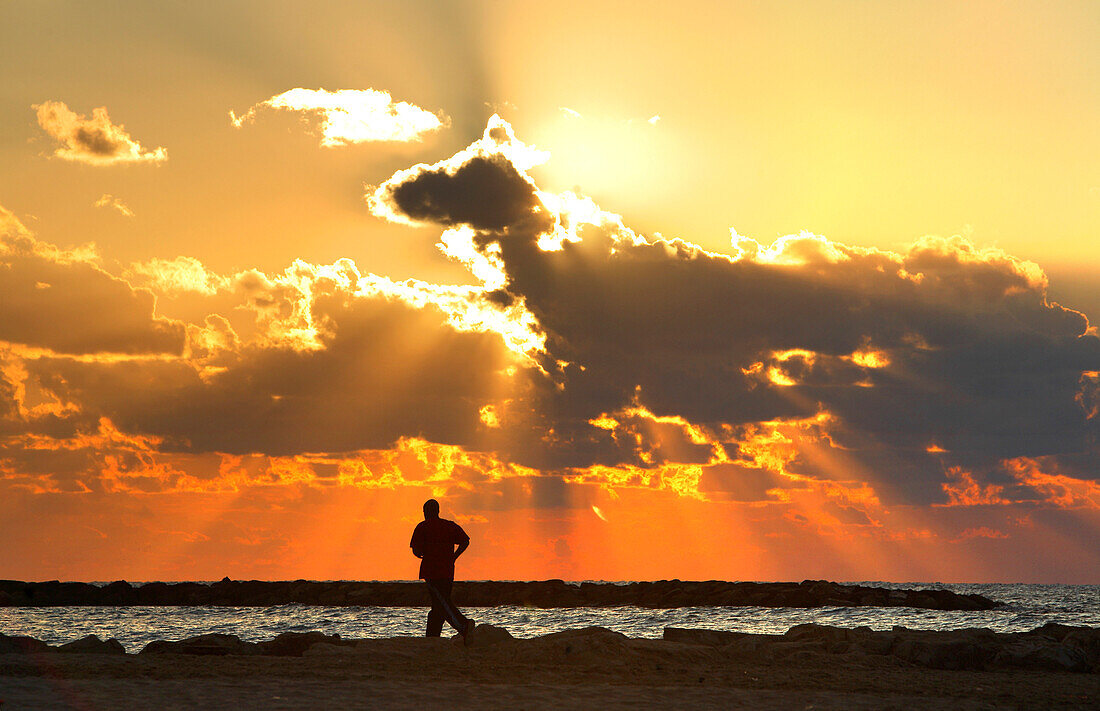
(431, 509)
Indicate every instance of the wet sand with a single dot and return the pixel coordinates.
(580, 669)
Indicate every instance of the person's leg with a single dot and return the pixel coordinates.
(435, 616)
(441, 596)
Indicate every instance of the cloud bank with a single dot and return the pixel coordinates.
(943, 353)
(350, 116)
(933, 395)
(95, 140)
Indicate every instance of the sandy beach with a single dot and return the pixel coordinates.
(577, 669)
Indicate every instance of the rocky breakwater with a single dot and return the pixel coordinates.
(545, 594)
(288, 644)
(1052, 647)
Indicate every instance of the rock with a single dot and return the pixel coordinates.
(713, 638)
(583, 646)
(207, 644)
(921, 600)
(817, 633)
(546, 594)
(1049, 648)
(93, 645)
(295, 644)
(360, 597)
(880, 643)
(1038, 654)
(1056, 631)
(22, 645)
(119, 592)
(484, 636)
(755, 644)
(324, 649)
(944, 650)
(812, 637)
(1087, 639)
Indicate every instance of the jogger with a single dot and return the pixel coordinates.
(433, 542)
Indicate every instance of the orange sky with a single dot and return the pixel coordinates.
(737, 290)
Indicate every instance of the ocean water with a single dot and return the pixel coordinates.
(1027, 607)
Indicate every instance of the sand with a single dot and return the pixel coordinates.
(573, 670)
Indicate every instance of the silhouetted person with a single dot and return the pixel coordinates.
(433, 542)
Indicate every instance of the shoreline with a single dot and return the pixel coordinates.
(1051, 647)
(827, 667)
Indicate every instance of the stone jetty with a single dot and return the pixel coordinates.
(544, 594)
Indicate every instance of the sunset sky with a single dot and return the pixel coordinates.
(737, 290)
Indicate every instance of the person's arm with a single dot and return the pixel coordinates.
(416, 544)
(461, 539)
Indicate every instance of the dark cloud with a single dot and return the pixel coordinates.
(483, 186)
(486, 192)
(944, 344)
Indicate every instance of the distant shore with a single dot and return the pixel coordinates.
(545, 594)
(1054, 667)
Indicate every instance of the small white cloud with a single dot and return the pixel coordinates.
(569, 113)
(94, 140)
(653, 119)
(353, 115)
(111, 201)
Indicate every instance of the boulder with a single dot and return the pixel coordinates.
(484, 636)
(945, 650)
(93, 645)
(295, 644)
(880, 643)
(22, 645)
(713, 638)
(206, 644)
(1087, 639)
(591, 645)
(119, 592)
(1040, 654)
(324, 649)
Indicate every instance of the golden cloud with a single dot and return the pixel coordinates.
(95, 140)
(805, 374)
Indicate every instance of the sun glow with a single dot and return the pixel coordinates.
(870, 359)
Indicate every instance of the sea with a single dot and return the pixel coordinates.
(1027, 606)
